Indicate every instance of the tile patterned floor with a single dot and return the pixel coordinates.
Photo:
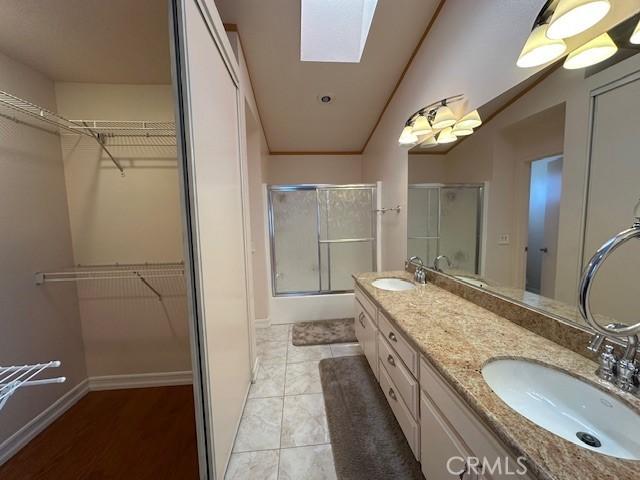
(283, 433)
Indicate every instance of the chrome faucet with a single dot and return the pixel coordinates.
(436, 262)
(420, 275)
(623, 372)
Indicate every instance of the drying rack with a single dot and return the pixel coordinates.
(105, 133)
(118, 271)
(15, 377)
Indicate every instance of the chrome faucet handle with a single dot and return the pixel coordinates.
(607, 367)
(625, 380)
(595, 343)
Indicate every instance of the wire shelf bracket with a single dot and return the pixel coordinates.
(15, 377)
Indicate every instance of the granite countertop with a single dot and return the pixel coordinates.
(458, 337)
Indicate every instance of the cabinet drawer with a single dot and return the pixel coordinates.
(442, 456)
(404, 350)
(367, 304)
(406, 383)
(407, 423)
(481, 442)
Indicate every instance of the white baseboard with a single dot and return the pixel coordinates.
(256, 368)
(262, 323)
(15, 442)
(140, 380)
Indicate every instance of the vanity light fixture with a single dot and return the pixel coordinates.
(540, 49)
(436, 124)
(635, 36)
(592, 52)
(407, 137)
(421, 126)
(571, 17)
(446, 136)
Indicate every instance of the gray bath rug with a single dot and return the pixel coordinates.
(322, 332)
(366, 439)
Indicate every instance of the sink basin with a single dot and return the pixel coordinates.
(566, 406)
(393, 284)
(473, 281)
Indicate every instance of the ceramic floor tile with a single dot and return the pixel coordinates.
(307, 463)
(253, 466)
(303, 377)
(269, 381)
(273, 333)
(346, 349)
(307, 354)
(272, 350)
(304, 421)
(260, 425)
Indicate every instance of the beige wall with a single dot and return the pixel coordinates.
(131, 219)
(336, 169)
(39, 323)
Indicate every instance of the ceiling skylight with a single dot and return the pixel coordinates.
(335, 30)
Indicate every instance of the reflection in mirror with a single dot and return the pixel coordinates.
(555, 168)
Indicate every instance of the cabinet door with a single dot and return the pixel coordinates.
(371, 345)
(441, 454)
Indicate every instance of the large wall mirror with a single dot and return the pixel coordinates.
(520, 206)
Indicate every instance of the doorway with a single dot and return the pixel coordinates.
(545, 190)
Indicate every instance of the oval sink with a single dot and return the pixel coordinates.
(393, 284)
(566, 406)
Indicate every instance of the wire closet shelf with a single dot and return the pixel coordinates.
(15, 377)
(107, 133)
(117, 271)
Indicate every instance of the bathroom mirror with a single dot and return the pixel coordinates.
(520, 206)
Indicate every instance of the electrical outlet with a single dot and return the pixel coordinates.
(503, 239)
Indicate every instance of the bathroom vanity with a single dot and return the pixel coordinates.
(427, 348)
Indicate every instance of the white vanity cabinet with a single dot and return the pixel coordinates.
(448, 439)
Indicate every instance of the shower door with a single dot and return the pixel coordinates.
(446, 220)
(320, 235)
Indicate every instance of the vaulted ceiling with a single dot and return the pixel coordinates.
(287, 89)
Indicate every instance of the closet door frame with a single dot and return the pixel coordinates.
(180, 76)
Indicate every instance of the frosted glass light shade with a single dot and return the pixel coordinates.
(421, 126)
(447, 136)
(407, 137)
(461, 131)
(469, 121)
(635, 36)
(444, 118)
(572, 17)
(592, 52)
(539, 49)
(428, 142)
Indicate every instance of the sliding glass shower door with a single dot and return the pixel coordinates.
(320, 235)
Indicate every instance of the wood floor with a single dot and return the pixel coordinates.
(142, 434)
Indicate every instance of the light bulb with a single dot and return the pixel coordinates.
(572, 17)
(635, 36)
(539, 49)
(447, 136)
(421, 126)
(470, 120)
(461, 131)
(444, 118)
(407, 137)
(595, 51)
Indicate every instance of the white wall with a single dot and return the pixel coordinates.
(336, 169)
(131, 219)
(39, 323)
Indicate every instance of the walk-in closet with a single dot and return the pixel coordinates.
(94, 315)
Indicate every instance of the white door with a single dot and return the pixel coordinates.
(211, 170)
